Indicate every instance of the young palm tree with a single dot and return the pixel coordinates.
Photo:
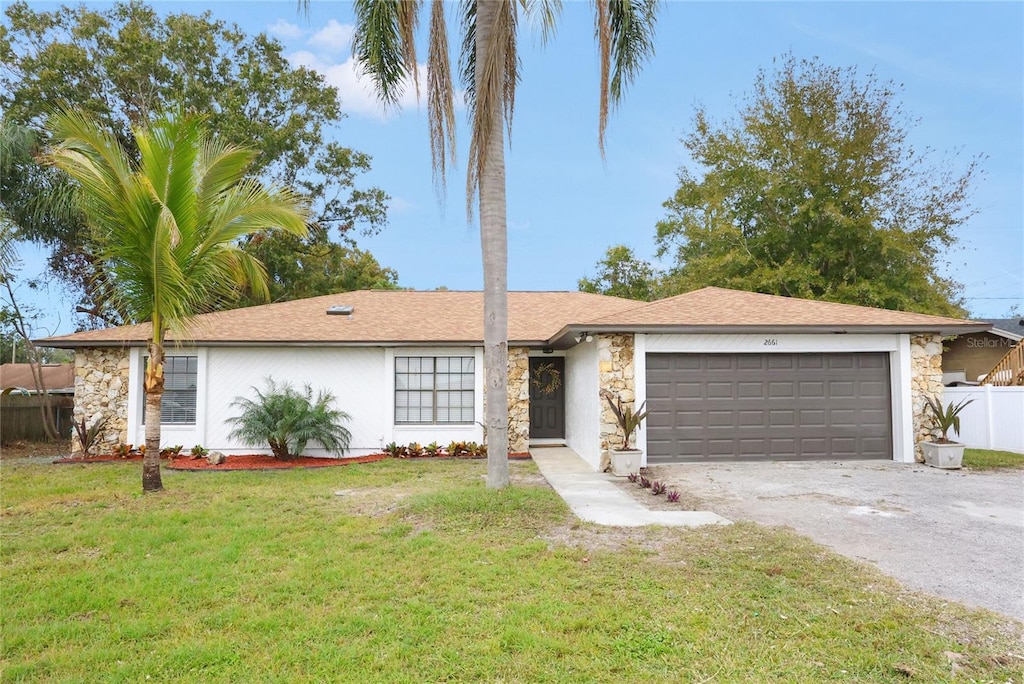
(165, 229)
(385, 49)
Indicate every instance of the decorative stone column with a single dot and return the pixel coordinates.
(925, 381)
(615, 374)
(101, 392)
(518, 399)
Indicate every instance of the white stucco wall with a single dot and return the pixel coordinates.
(361, 379)
(896, 345)
(582, 403)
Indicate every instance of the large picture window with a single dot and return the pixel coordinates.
(178, 405)
(434, 389)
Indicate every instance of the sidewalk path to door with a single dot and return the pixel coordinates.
(594, 498)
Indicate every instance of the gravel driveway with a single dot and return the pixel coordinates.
(956, 534)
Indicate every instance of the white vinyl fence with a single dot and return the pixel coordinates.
(995, 420)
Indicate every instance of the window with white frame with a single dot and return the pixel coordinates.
(434, 389)
(178, 404)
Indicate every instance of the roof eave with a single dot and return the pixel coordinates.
(564, 337)
(88, 344)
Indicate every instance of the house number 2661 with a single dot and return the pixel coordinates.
(771, 342)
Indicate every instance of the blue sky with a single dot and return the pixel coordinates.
(961, 66)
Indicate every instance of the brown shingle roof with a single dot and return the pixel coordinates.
(716, 306)
(56, 376)
(378, 316)
(401, 316)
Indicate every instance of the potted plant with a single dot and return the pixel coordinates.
(626, 459)
(944, 452)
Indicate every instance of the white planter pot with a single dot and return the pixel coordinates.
(949, 455)
(626, 462)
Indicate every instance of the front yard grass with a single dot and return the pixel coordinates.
(988, 459)
(414, 572)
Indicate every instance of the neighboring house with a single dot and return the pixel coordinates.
(58, 378)
(725, 374)
(967, 358)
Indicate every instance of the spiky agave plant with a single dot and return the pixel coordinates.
(288, 420)
(947, 416)
(628, 419)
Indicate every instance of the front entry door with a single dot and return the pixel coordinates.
(547, 397)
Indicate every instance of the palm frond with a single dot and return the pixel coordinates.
(379, 48)
(544, 15)
(440, 97)
(467, 53)
(625, 35)
(408, 20)
(167, 230)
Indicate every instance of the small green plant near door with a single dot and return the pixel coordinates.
(627, 419)
(288, 420)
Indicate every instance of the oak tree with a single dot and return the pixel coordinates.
(124, 65)
(815, 190)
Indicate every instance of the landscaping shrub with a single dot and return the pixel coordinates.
(287, 420)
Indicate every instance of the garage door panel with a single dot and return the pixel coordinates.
(874, 390)
(812, 418)
(872, 361)
(781, 390)
(841, 389)
(721, 390)
(810, 362)
(843, 418)
(659, 390)
(752, 447)
(687, 390)
(812, 390)
(750, 390)
(776, 406)
(754, 418)
(750, 362)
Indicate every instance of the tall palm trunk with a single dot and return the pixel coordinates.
(151, 481)
(494, 244)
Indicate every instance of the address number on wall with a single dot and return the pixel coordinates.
(771, 342)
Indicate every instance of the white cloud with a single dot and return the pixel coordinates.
(285, 29)
(354, 90)
(333, 37)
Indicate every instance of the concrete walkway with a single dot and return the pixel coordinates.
(594, 498)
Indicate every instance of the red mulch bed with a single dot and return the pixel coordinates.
(256, 461)
(264, 462)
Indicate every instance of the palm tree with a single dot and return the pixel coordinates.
(385, 49)
(166, 227)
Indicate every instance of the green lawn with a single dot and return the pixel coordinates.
(418, 574)
(987, 459)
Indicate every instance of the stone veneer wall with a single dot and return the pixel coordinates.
(925, 381)
(101, 391)
(518, 399)
(615, 373)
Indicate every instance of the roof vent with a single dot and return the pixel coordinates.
(340, 310)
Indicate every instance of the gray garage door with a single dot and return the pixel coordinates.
(768, 406)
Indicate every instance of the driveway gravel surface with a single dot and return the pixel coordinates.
(956, 534)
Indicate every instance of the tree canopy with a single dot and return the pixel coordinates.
(816, 191)
(622, 274)
(125, 64)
